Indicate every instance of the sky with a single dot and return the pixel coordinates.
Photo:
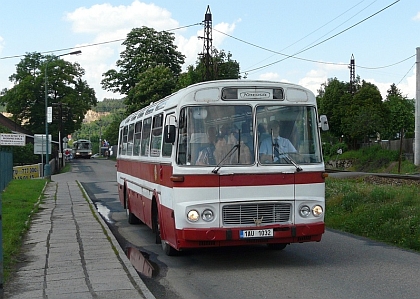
(302, 42)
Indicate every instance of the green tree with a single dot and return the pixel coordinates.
(365, 115)
(153, 85)
(111, 131)
(70, 96)
(400, 113)
(222, 64)
(357, 116)
(333, 99)
(145, 48)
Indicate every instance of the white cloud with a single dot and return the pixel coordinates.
(112, 23)
(408, 86)
(269, 76)
(105, 17)
(313, 79)
(106, 23)
(417, 17)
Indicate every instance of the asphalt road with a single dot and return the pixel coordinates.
(340, 266)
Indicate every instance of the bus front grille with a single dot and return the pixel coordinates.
(263, 213)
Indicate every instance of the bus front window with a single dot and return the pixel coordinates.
(287, 135)
(216, 134)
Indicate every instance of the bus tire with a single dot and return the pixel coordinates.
(168, 249)
(156, 223)
(131, 218)
(277, 246)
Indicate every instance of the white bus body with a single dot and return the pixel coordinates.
(198, 190)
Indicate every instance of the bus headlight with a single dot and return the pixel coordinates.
(304, 211)
(317, 211)
(207, 215)
(193, 215)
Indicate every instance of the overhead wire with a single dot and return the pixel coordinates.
(315, 45)
(93, 44)
(318, 30)
(406, 73)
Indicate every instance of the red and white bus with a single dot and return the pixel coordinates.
(225, 163)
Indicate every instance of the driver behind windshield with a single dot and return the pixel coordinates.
(280, 145)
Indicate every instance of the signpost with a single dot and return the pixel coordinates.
(12, 139)
(8, 140)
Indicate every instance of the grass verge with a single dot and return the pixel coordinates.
(19, 201)
(386, 210)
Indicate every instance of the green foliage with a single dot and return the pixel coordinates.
(70, 96)
(145, 48)
(23, 155)
(384, 211)
(110, 106)
(18, 201)
(331, 150)
(111, 130)
(222, 67)
(400, 114)
(153, 84)
(362, 116)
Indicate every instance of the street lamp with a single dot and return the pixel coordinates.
(47, 171)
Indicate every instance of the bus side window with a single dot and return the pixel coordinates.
(124, 140)
(120, 142)
(130, 139)
(156, 141)
(137, 138)
(145, 137)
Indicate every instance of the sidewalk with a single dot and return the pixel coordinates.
(69, 252)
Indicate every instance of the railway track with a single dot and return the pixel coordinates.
(344, 174)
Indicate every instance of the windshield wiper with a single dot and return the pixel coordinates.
(228, 155)
(286, 156)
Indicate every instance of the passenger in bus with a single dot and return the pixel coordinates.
(262, 132)
(245, 156)
(280, 144)
(206, 155)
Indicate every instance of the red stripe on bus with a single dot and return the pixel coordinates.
(161, 174)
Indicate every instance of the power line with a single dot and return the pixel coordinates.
(321, 42)
(319, 29)
(94, 44)
(407, 73)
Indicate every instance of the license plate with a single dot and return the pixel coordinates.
(256, 233)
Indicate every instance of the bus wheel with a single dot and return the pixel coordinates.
(131, 218)
(168, 249)
(277, 246)
(155, 223)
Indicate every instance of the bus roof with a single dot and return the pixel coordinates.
(293, 92)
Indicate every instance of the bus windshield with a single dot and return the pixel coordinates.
(213, 135)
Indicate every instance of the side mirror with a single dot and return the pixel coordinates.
(169, 134)
(324, 122)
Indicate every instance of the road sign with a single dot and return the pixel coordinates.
(39, 144)
(49, 114)
(12, 139)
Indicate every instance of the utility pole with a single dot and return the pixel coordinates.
(207, 47)
(352, 68)
(417, 112)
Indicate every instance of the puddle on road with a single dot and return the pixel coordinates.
(141, 262)
(104, 211)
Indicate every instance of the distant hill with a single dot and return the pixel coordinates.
(109, 105)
